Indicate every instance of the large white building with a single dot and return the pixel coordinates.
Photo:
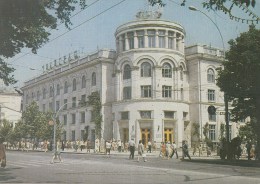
(151, 87)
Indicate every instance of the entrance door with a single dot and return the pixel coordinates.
(125, 135)
(168, 134)
(145, 136)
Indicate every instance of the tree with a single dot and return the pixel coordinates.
(239, 77)
(6, 129)
(95, 102)
(25, 24)
(247, 132)
(225, 6)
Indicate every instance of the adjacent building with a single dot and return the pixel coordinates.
(152, 87)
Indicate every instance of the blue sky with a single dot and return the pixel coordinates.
(94, 28)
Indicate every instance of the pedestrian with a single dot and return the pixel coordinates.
(168, 149)
(174, 150)
(162, 150)
(132, 149)
(185, 150)
(119, 145)
(96, 145)
(81, 145)
(57, 152)
(2, 153)
(149, 146)
(62, 145)
(88, 146)
(108, 148)
(141, 151)
(248, 149)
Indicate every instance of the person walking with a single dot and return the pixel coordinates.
(132, 149)
(57, 152)
(2, 153)
(119, 146)
(174, 150)
(108, 148)
(141, 151)
(185, 150)
(149, 146)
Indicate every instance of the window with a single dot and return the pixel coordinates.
(146, 69)
(73, 118)
(166, 91)
(146, 114)
(74, 101)
(212, 117)
(57, 105)
(166, 70)
(32, 95)
(82, 117)
(44, 93)
(66, 87)
(65, 119)
(38, 95)
(211, 76)
(169, 114)
(127, 93)
(182, 94)
(83, 82)
(185, 115)
(124, 115)
(73, 135)
(58, 89)
(127, 72)
(171, 40)
(51, 106)
(212, 132)
(64, 135)
(181, 73)
(82, 133)
(51, 91)
(43, 108)
(93, 81)
(74, 85)
(211, 95)
(151, 38)
(130, 37)
(146, 91)
(92, 118)
(27, 99)
(65, 103)
(161, 39)
(123, 42)
(140, 38)
(83, 100)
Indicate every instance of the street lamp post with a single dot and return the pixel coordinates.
(225, 95)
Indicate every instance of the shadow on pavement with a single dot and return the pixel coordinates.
(241, 163)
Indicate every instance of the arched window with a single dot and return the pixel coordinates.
(51, 91)
(38, 95)
(83, 82)
(211, 75)
(44, 93)
(167, 70)
(127, 72)
(181, 73)
(58, 89)
(94, 80)
(74, 85)
(66, 87)
(146, 70)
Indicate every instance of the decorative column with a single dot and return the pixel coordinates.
(156, 38)
(135, 40)
(126, 42)
(174, 41)
(145, 39)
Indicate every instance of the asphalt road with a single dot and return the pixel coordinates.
(35, 167)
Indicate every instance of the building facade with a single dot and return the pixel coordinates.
(151, 88)
(10, 105)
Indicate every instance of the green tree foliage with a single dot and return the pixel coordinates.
(36, 124)
(25, 24)
(225, 6)
(6, 129)
(247, 132)
(95, 102)
(239, 78)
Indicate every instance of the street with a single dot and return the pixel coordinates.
(35, 167)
